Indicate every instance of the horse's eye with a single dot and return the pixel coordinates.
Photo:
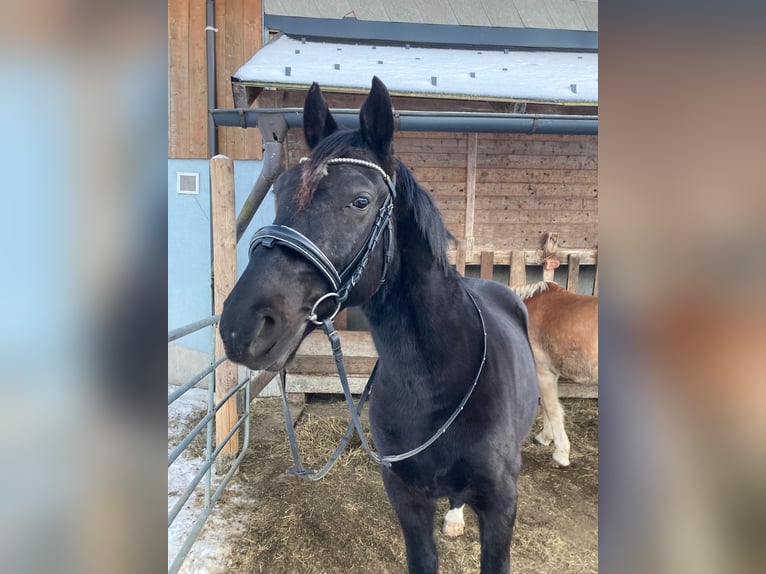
(361, 202)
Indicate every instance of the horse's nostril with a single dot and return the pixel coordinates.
(266, 324)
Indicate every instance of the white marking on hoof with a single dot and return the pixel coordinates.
(454, 525)
(561, 459)
(540, 438)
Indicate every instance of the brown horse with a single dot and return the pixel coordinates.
(563, 330)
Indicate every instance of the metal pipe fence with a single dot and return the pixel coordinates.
(206, 423)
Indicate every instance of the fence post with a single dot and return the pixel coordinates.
(224, 222)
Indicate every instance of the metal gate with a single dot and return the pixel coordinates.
(206, 423)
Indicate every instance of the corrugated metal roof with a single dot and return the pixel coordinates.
(553, 14)
(532, 76)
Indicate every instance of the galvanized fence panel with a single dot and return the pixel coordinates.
(206, 423)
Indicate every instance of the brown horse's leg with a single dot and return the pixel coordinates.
(549, 394)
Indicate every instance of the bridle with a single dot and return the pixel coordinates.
(341, 284)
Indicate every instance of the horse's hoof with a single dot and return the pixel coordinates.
(540, 439)
(560, 461)
(453, 529)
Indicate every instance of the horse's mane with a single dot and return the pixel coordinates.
(349, 143)
(427, 216)
(530, 289)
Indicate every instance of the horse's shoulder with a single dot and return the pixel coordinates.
(497, 300)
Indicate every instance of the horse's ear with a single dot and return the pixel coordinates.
(376, 119)
(318, 122)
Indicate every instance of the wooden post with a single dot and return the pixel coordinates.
(224, 222)
(460, 257)
(470, 192)
(595, 284)
(487, 262)
(573, 272)
(550, 263)
(518, 275)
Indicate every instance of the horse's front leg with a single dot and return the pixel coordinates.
(497, 514)
(416, 517)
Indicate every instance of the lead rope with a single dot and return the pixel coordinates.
(355, 409)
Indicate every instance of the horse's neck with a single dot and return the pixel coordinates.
(419, 319)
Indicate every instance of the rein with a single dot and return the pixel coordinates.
(342, 283)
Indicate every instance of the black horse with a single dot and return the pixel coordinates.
(436, 333)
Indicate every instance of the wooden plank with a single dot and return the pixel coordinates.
(233, 140)
(356, 343)
(514, 146)
(260, 381)
(569, 390)
(432, 159)
(502, 176)
(331, 385)
(532, 189)
(519, 161)
(573, 273)
(224, 222)
(252, 41)
(529, 235)
(499, 217)
(540, 137)
(595, 284)
(178, 78)
(525, 202)
(197, 82)
(323, 384)
(518, 263)
(460, 257)
(470, 195)
(314, 365)
(487, 264)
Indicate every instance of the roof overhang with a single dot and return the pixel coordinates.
(511, 75)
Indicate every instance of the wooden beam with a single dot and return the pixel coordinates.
(330, 384)
(595, 284)
(518, 275)
(573, 273)
(531, 256)
(569, 390)
(487, 264)
(460, 257)
(470, 192)
(224, 224)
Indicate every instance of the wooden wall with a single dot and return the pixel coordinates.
(239, 36)
(503, 191)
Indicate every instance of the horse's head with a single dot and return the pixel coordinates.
(330, 235)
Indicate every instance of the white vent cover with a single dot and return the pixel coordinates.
(187, 183)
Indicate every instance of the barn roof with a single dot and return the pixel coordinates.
(553, 76)
(550, 14)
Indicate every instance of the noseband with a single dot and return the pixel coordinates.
(341, 282)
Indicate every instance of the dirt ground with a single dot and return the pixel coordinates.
(344, 522)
